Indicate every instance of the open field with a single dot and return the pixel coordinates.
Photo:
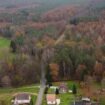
(7, 94)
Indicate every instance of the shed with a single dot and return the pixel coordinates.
(63, 88)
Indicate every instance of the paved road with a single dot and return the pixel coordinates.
(43, 85)
(40, 96)
(43, 80)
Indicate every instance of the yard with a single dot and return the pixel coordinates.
(68, 98)
(7, 94)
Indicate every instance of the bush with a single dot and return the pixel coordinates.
(74, 89)
(57, 91)
(31, 102)
(46, 90)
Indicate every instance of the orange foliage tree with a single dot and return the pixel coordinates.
(54, 70)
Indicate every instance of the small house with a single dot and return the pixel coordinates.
(63, 88)
(86, 99)
(51, 99)
(81, 103)
(21, 99)
(95, 103)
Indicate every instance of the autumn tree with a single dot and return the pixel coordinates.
(81, 72)
(54, 71)
(98, 71)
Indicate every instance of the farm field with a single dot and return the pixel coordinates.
(7, 94)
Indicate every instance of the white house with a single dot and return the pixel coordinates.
(51, 99)
(58, 101)
(86, 99)
(21, 99)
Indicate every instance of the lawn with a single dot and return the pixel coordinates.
(7, 94)
(66, 98)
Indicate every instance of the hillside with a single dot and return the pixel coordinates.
(63, 39)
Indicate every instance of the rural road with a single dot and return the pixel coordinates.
(42, 86)
(43, 80)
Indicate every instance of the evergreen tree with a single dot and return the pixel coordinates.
(46, 90)
(48, 77)
(57, 91)
(74, 89)
(13, 46)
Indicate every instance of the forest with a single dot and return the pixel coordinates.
(68, 36)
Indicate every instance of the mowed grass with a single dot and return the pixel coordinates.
(7, 94)
(66, 98)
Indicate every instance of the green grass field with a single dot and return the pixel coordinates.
(6, 94)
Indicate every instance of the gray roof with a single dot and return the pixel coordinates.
(22, 96)
(81, 103)
(95, 103)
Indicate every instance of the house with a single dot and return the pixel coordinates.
(58, 101)
(81, 103)
(21, 99)
(63, 88)
(86, 99)
(51, 99)
(95, 103)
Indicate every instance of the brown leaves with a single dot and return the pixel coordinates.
(54, 70)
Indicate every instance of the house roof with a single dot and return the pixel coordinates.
(22, 96)
(86, 99)
(95, 103)
(81, 103)
(63, 85)
(51, 97)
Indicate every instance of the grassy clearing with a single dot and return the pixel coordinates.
(4, 42)
(7, 94)
(4, 47)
